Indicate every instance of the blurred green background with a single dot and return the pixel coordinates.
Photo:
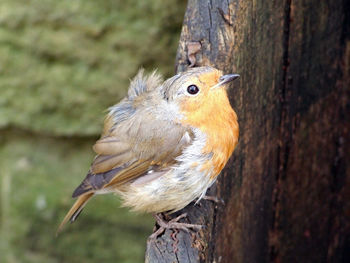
(62, 63)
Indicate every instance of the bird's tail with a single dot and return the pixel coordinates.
(75, 210)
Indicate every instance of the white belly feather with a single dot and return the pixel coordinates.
(172, 191)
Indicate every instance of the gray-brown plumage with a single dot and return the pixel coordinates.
(152, 153)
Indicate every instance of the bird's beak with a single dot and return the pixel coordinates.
(226, 79)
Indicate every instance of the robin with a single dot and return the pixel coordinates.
(164, 144)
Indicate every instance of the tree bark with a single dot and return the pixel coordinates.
(287, 187)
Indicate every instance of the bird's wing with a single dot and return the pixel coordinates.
(131, 148)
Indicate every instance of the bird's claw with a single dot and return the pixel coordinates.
(214, 199)
(172, 224)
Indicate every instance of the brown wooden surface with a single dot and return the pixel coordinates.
(287, 186)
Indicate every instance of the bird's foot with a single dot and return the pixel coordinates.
(172, 224)
(214, 199)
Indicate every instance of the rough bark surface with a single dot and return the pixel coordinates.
(287, 187)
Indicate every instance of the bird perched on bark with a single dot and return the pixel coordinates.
(164, 144)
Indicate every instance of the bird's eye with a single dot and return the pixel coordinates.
(192, 89)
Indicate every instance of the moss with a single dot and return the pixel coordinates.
(63, 63)
(38, 175)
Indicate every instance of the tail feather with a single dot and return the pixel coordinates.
(75, 210)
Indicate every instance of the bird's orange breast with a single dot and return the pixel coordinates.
(214, 116)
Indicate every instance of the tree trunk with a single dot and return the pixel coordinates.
(287, 187)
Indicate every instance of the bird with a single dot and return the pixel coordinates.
(164, 144)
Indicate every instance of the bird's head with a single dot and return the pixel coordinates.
(199, 92)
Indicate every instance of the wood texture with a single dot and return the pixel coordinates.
(287, 187)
